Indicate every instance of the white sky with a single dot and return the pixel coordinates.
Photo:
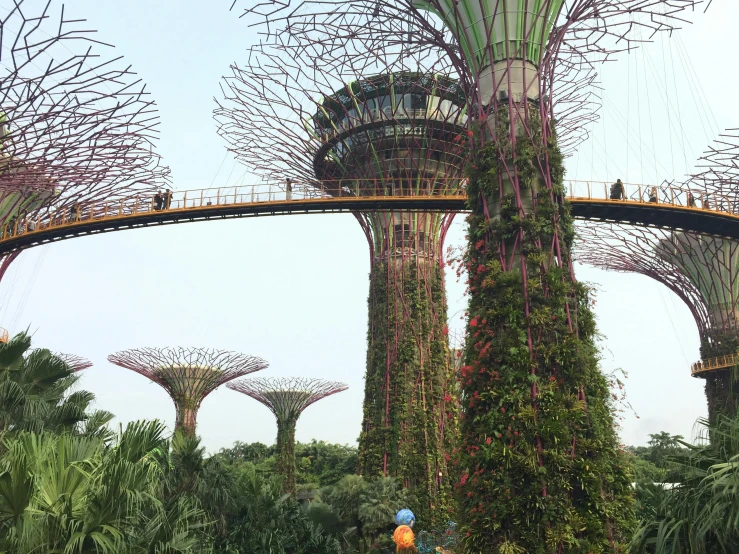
(293, 289)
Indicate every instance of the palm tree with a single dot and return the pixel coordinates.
(71, 493)
(699, 515)
(35, 393)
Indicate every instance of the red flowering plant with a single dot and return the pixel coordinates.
(539, 462)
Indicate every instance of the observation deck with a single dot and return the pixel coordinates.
(700, 369)
(589, 200)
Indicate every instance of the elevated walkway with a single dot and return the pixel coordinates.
(673, 209)
(700, 369)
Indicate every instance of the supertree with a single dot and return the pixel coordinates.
(187, 374)
(392, 133)
(287, 398)
(701, 270)
(76, 126)
(539, 461)
(75, 363)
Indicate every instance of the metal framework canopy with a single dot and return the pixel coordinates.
(76, 125)
(75, 363)
(287, 397)
(548, 50)
(188, 374)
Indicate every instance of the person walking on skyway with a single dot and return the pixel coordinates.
(158, 200)
(167, 199)
(617, 190)
(691, 200)
(653, 194)
(289, 188)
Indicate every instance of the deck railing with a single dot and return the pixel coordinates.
(377, 189)
(712, 364)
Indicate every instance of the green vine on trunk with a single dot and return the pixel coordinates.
(540, 467)
(410, 420)
(722, 386)
(286, 454)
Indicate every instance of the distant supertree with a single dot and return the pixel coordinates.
(398, 133)
(701, 270)
(287, 398)
(75, 127)
(75, 363)
(538, 443)
(187, 374)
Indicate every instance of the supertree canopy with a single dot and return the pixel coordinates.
(398, 134)
(702, 270)
(187, 374)
(539, 464)
(76, 126)
(75, 363)
(287, 398)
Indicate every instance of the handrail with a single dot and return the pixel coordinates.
(713, 364)
(280, 192)
(4, 338)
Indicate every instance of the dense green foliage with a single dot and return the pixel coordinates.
(722, 387)
(67, 484)
(541, 471)
(410, 420)
(652, 463)
(700, 513)
(286, 453)
(318, 464)
(70, 493)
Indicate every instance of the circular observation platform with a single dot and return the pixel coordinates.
(402, 128)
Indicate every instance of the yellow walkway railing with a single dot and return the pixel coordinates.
(713, 364)
(299, 194)
(4, 338)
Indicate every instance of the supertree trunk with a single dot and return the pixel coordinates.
(187, 417)
(286, 454)
(5, 262)
(409, 422)
(722, 386)
(538, 433)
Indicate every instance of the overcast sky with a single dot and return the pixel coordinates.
(293, 289)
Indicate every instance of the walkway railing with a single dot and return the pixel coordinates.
(4, 338)
(366, 190)
(649, 194)
(249, 195)
(713, 364)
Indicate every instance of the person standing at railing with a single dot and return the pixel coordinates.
(167, 199)
(617, 190)
(691, 200)
(158, 200)
(653, 194)
(75, 212)
(289, 188)
(706, 203)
